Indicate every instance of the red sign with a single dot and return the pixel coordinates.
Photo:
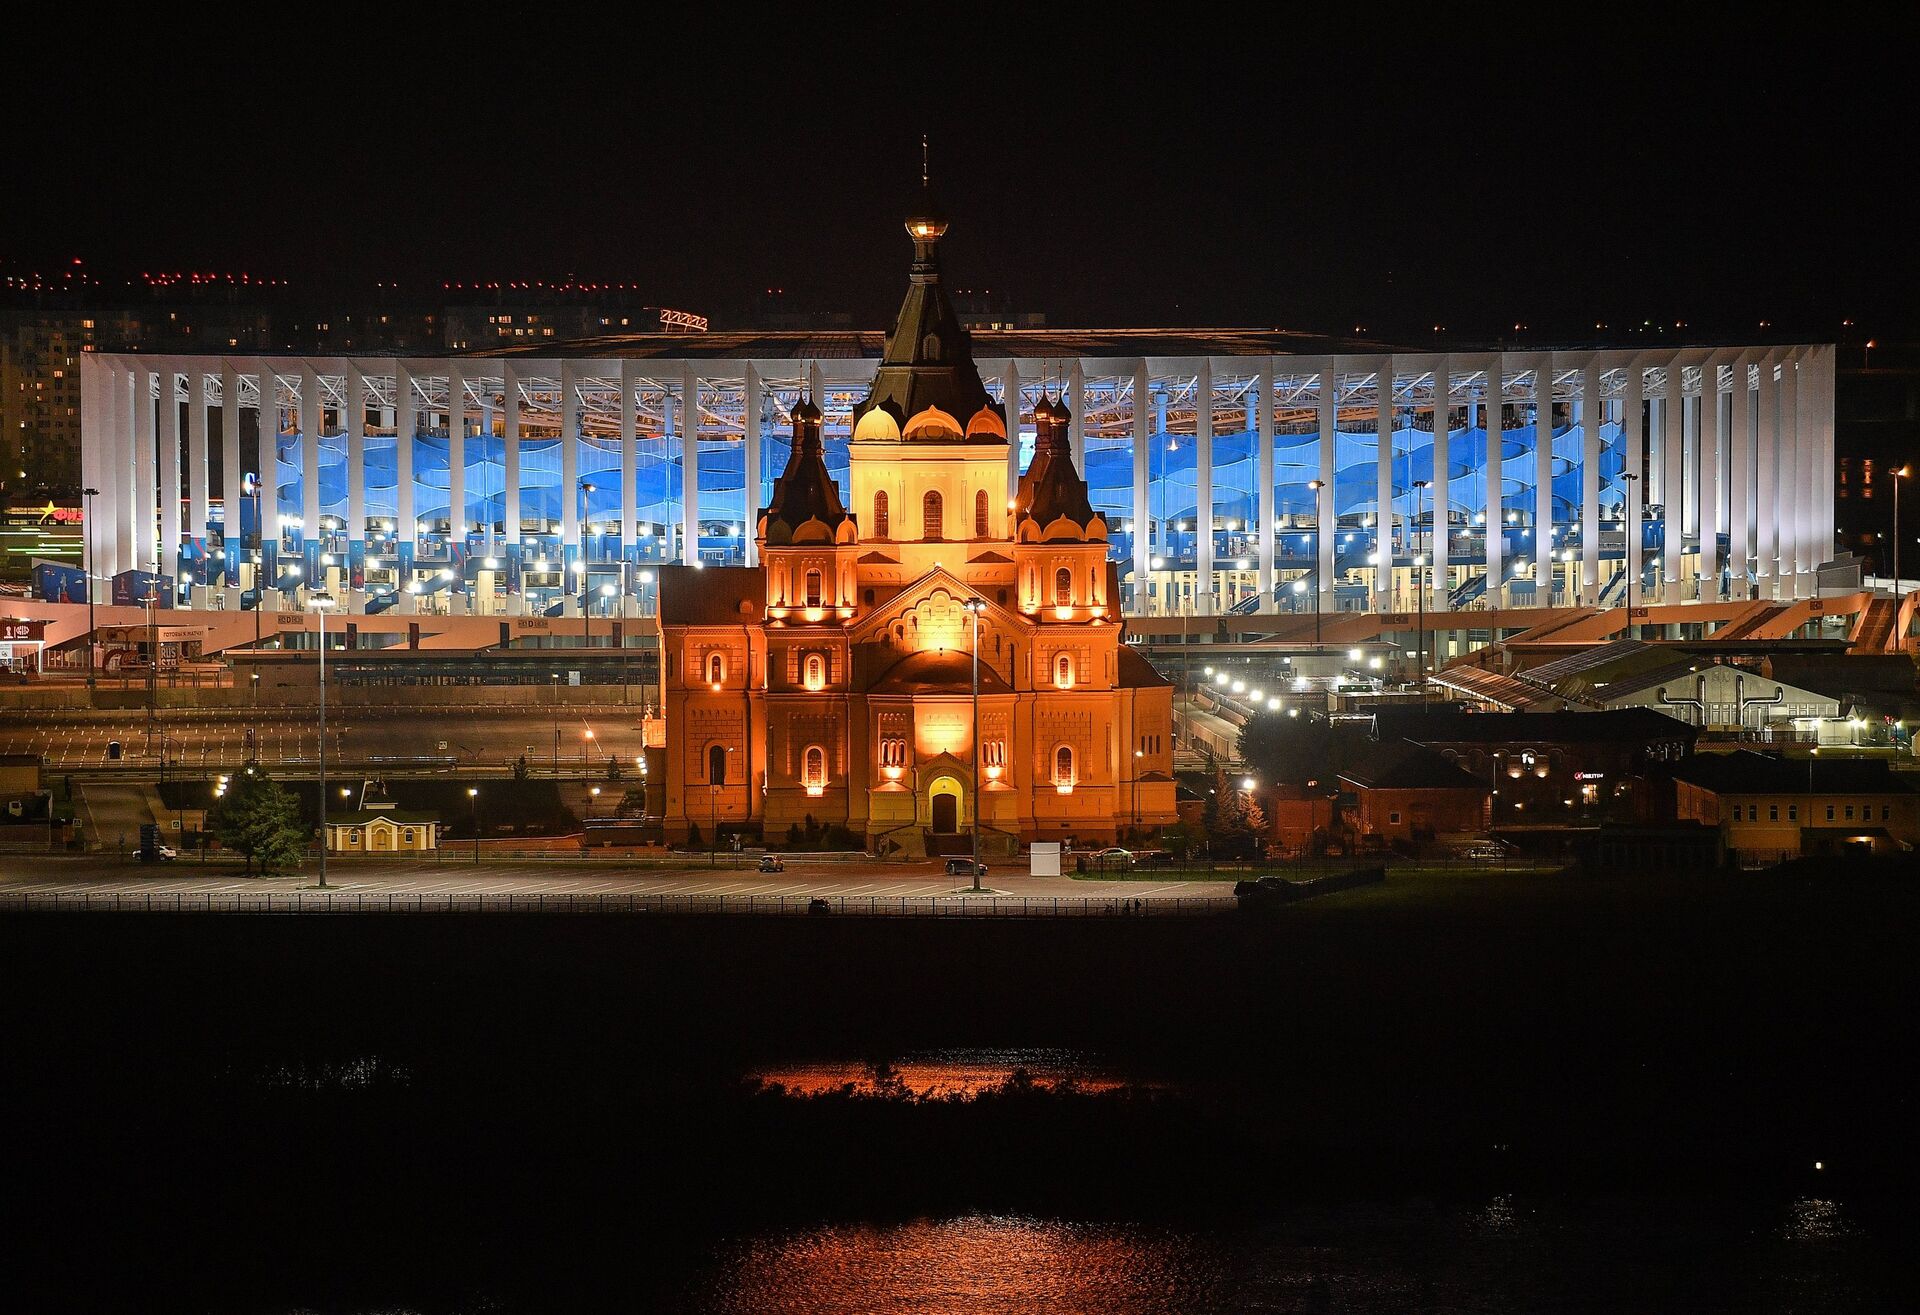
(22, 632)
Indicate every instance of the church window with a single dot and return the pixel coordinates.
(993, 754)
(930, 516)
(716, 764)
(980, 514)
(716, 668)
(814, 584)
(880, 514)
(1063, 765)
(816, 671)
(893, 753)
(1063, 671)
(813, 773)
(407, 836)
(1062, 587)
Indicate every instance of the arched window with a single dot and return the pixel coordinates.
(814, 583)
(930, 526)
(980, 514)
(813, 773)
(717, 764)
(716, 668)
(1063, 671)
(880, 514)
(816, 671)
(1063, 765)
(1062, 587)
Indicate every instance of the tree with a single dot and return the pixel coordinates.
(261, 822)
(1235, 821)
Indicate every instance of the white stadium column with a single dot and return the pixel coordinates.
(406, 422)
(1493, 402)
(232, 483)
(121, 473)
(1383, 428)
(1767, 480)
(1264, 509)
(355, 421)
(1077, 421)
(199, 508)
(1203, 488)
(1010, 399)
(1142, 509)
(1437, 540)
(1792, 499)
(1824, 471)
(146, 537)
(511, 514)
(1675, 482)
(456, 459)
(311, 534)
(751, 437)
(1593, 414)
(1543, 482)
(1712, 446)
(629, 459)
(690, 457)
(573, 547)
(1326, 532)
(1689, 487)
(1633, 447)
(168, 451)
(1739, 471)
(267, 461)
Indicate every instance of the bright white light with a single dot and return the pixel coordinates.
(446, 575)
(646, 577)
(1273, 705)
(1246, 783)
(1208, 671)
(1159, 563)
(1239, 687)
(607, 590)
(577, 567)
(1299, 586)
(1353, 655)
(493, 563)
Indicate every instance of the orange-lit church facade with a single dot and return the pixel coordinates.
(835, 680)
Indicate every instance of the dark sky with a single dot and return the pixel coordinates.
(1178, 165)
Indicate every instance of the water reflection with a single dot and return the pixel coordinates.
(946, 1073)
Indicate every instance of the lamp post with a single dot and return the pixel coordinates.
(585, 579)
(153, 649)
(321, 600)
(1898, 475)
(86, 571)
(1319, 528)
(975, 606)
(554, 685)
(473, 801)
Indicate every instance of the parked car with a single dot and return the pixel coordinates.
(772, 863)
(962, 867)
(817, 907)
(1110, 858)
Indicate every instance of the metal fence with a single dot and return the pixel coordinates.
(865, 906)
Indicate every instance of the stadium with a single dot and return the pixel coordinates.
(1238, 477)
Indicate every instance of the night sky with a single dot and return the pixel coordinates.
(1393, 172)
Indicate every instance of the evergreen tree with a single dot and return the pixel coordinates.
(261, 822)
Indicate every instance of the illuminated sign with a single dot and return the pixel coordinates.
(1589, 776)
(22, 632)
(683, 320)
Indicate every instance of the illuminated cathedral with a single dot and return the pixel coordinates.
(836, 683)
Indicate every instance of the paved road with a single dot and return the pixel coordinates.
(464, 737)
(42, 875)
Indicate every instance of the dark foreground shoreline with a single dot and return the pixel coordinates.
(231, 1101)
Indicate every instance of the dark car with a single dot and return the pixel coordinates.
(817, 907)
(963, 867)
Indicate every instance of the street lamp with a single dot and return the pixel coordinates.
(584, 579)
(593, 796)
(1319, 528)
(473, 801)
(86, 570)
(975, 606)
(321, 600)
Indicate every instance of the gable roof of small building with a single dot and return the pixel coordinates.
(1747, 772)
(1448, 725)
(360, 817)
(1404, 765)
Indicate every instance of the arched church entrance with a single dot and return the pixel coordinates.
(944, 797)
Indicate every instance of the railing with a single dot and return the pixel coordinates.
(869, 906)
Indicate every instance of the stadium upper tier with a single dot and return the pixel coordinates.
(1236, 471)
